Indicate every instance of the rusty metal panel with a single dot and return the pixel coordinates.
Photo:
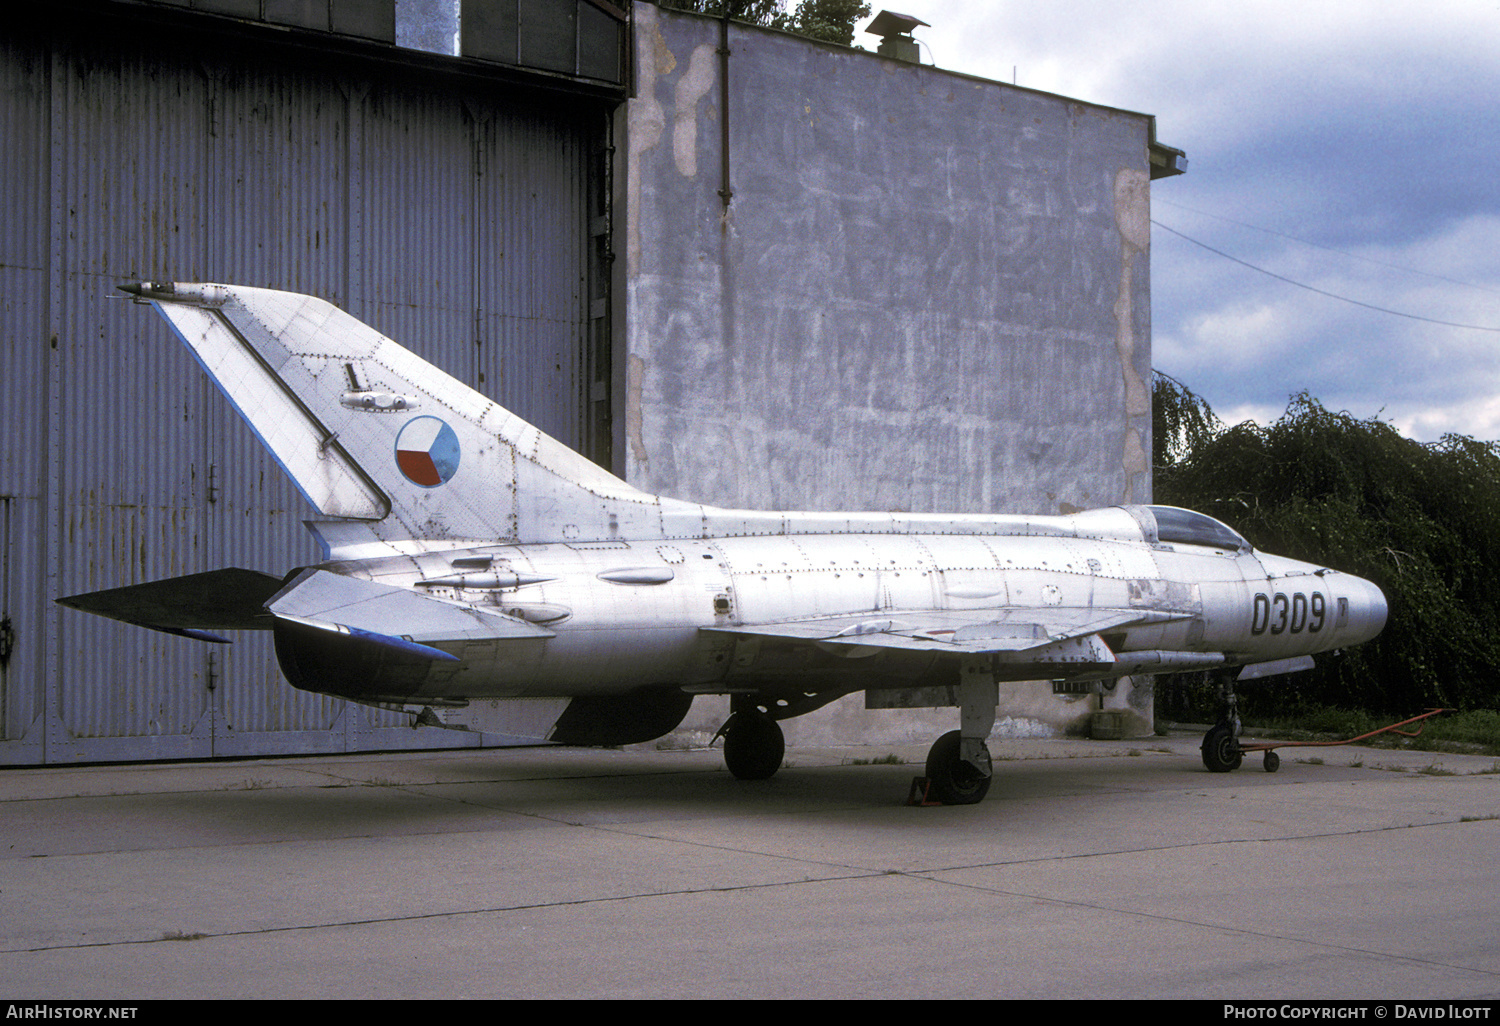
(496, 297)
(274, 157)
(531, 284)
(419, 245)
(276, 154)
(23, 607)
(399, 194)
(23, 367)
(128, 430)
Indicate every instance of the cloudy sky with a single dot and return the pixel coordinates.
(1353, 148)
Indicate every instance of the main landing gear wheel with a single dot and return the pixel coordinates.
(1221, 749)
(753, 745)
(951, 780)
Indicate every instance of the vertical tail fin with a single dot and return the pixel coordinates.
(370, 432)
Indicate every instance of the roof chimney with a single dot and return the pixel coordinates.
(894, 31)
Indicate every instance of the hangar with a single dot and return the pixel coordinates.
(729, 263)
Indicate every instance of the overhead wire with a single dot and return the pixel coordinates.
(1319, 245)
(1322, 292)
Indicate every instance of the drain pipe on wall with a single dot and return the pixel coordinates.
(726, 193)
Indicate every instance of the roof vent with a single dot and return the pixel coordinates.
(894, 31)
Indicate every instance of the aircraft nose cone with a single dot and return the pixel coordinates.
(1368, 610)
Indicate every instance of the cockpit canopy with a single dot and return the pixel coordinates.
(1184, 527)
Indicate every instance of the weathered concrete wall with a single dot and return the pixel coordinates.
(928, 293)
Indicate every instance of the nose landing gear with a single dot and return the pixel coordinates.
(1221, 745)
(1222, 751)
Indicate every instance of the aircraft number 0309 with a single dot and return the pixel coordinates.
(1280, 613)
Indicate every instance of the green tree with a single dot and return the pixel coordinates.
(829, 20)
(1420, 520)
(770, 13)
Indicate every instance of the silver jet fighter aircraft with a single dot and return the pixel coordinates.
(468, 557)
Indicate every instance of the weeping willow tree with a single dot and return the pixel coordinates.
(1422, 520)
(1181, 420)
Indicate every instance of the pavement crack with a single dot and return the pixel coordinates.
(1210, 924)
(175, 937)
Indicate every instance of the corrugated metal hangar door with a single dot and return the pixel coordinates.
(450, 209)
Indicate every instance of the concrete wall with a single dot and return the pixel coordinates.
(929, 292)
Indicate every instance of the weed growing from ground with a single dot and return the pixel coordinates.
(885, 760)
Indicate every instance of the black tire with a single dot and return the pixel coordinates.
(753, 745)
(1221, 750)
(1272, 762)
(951, 780)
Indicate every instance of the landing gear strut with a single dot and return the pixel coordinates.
(958, 764)
(753, 743)
(1221, 745)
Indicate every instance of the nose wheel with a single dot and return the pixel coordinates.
(753, 744)
(1221, 749)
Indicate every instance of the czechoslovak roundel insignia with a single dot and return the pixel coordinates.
(427, 452)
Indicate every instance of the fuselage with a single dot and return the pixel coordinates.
(626, 614)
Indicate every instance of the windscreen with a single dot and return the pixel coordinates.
(1183, 526)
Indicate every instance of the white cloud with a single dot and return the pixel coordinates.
(1259, 413)
(1479, 418)
(1239, 337)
